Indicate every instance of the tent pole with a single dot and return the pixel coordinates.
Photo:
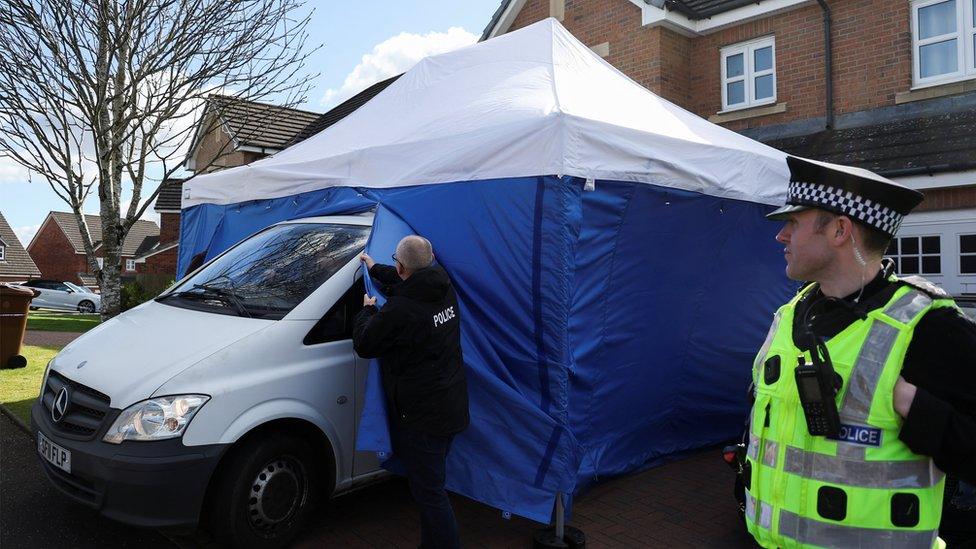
(560, 517)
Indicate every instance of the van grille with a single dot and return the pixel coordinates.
(86, 407)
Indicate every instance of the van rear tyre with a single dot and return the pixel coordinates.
(266, 492)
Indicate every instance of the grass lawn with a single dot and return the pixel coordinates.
(19, 388)
(61, 322)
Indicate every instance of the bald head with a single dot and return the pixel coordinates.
(414, 253)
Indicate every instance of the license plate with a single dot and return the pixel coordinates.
(54, 454)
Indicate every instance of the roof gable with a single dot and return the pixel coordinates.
(258, 126)
(140, 230)
(16, 261)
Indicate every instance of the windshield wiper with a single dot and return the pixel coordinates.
(212, 292)
(229, 296)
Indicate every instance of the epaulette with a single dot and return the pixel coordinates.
(806, 287)
(923, 285)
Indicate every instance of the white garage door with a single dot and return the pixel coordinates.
(941, 246)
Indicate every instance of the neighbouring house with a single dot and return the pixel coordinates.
(900, 97)
(160, 259)
(59, 251)
(232, 132)
(16, 264)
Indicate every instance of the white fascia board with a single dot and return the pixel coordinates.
(507, 18)
(940, 217)
(950, 179)
(653, 16)
(262, 150)
(142, 259)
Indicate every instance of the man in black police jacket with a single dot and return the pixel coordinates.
(417, 337)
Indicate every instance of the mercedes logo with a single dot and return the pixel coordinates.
(60, 405)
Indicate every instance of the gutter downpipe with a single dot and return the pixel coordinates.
(828, 64)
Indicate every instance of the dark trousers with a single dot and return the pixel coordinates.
(424, 458)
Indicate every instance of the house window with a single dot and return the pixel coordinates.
(916, 254)
(749, 74)
(943, 40)
(3, 252)
(130, 264)
(100, 261)
(967, 254)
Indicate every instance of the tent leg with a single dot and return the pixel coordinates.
(559, 535)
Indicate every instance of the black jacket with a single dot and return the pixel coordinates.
(417, 337)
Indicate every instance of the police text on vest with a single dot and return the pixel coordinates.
(857, 434)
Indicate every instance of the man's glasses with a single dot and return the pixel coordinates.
(395, 259)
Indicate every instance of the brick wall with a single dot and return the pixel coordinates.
(656, 58)
(215, 145)
(161, 263)
(872, 54)
(54, 255)
(169, 227)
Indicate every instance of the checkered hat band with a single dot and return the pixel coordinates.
(854, 206)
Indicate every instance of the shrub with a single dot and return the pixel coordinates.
(142, 289)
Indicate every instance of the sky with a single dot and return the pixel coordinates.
(362, 42)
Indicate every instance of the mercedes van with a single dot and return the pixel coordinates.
(231, 400)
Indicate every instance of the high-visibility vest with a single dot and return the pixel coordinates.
(865, 488)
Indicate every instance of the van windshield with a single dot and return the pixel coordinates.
(267, 275)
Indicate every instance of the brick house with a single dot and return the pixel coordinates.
(899, 97)
(59, 251)
(232, 132)
(16, 264)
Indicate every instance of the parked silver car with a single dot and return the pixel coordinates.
(63, 296)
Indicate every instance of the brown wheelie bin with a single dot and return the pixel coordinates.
(14, 303)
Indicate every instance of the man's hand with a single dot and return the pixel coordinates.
(903, 396)
(367, 301)
(364, 257)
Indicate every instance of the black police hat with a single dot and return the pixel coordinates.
(862, 195)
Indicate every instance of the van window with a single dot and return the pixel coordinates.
(270, 273)
(336, 324)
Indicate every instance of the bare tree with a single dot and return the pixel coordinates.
(100, 94)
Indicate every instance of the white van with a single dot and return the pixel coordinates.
(231, 400)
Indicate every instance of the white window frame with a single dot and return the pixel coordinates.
(101, 262)
(964, 254)
(964, 35)
(749, 74)
(920, 255)
(3, 252)
(130, 264)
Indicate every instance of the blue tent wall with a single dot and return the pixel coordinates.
(602, 331)
(674, 292)
(508, 246)
(210, 229)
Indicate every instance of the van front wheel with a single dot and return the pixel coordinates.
(266, 492)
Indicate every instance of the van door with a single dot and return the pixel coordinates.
(337, 325)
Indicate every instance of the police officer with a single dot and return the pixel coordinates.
(417, 337)
(865, 389)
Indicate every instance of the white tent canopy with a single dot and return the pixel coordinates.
(531, 102)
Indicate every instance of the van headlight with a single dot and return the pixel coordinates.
(155, 419)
